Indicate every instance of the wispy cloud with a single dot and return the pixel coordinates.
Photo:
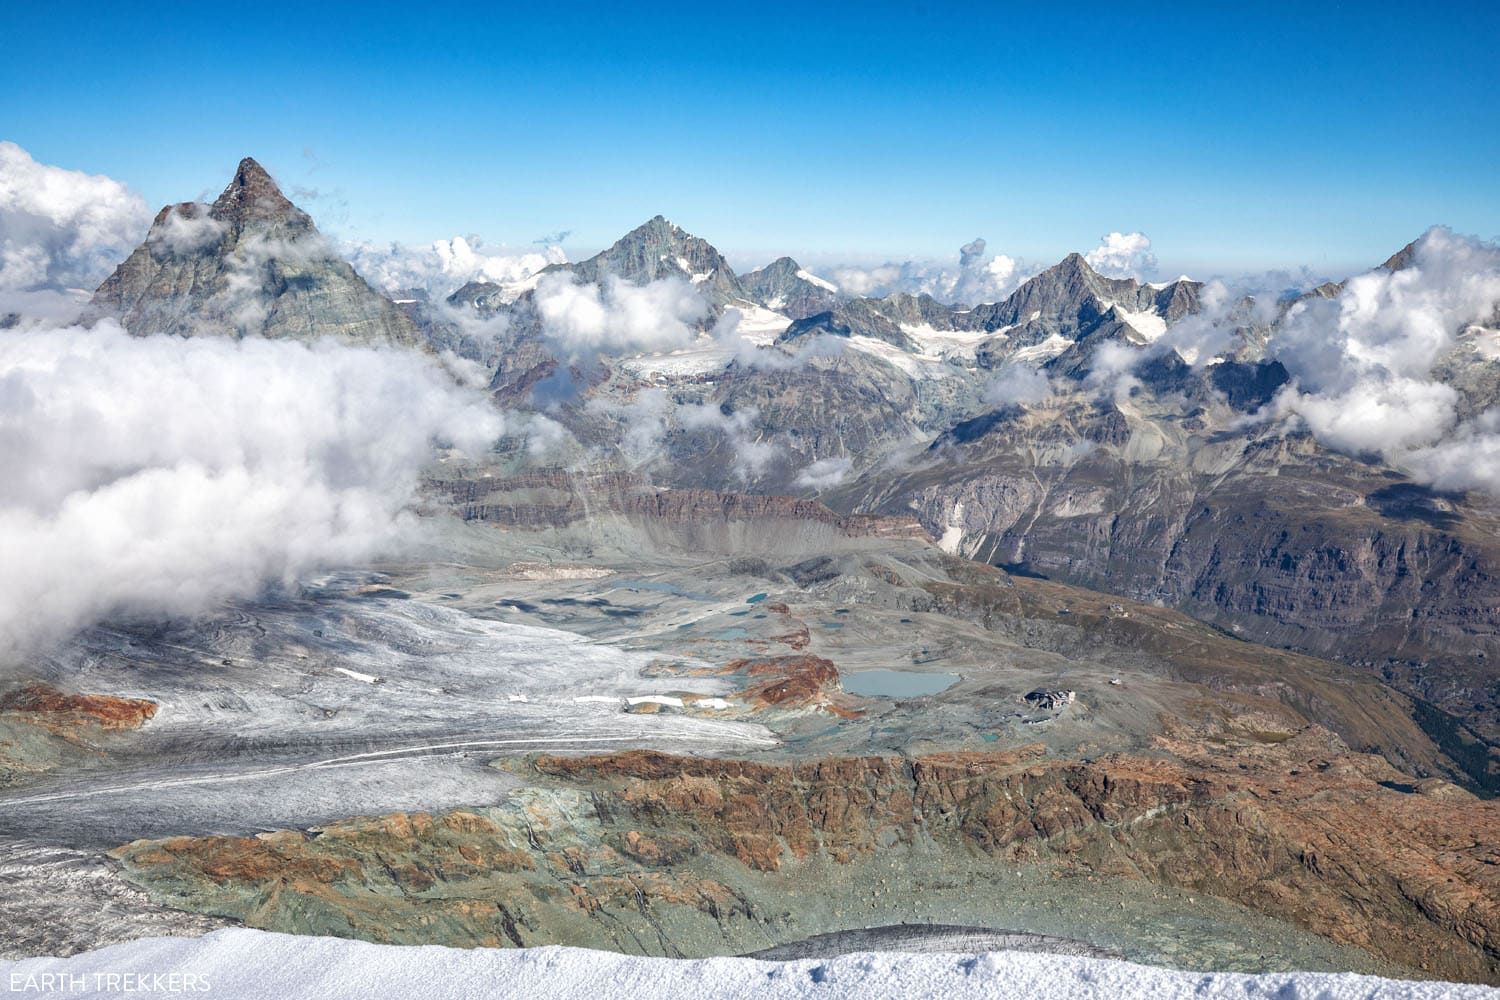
(1017, 384)
(826, 473)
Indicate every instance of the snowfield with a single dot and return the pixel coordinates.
(255, 965)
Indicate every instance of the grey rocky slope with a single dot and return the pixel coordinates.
(1068, 297)
(783, 286)
(250, 264)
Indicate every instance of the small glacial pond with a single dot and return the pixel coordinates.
(663, 587)
(897, 683)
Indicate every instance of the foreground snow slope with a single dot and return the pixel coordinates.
(238, 963)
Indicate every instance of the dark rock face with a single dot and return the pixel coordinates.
(661, 249)
(973, 429)
(250, 264)
(1248, 386)
(825, 322)
(1272, 537)
(780, 287)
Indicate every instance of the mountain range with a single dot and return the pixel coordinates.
(988, 423)
(641, 604)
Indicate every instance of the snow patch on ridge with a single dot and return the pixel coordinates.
(1045, 351)
(1148, 324)
(813, 279)
(953, 531)
(759, 325)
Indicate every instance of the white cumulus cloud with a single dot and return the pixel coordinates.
(1364, 362)
(158, 476)
(976, 277)
(61, 231)
(1123, 255)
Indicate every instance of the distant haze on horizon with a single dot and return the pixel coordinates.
(1327, 139)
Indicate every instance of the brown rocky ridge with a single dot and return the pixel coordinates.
(556, 498)
(664, 854)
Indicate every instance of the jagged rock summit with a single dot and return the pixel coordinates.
(659, 248)
(656, 249)
(250, 264)
(783, 286)
(1068, 298)
(253, 196)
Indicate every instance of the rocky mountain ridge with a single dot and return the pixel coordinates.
(670, 855)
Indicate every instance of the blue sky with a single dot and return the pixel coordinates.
(1235, 139)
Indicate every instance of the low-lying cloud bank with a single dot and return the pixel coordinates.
(586, 320)
(976, 276)
(159, 476)
(1391, 365)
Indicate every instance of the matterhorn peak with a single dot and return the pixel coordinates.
(252, 194)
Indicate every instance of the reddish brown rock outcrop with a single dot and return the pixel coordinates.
(1298, 827)
(1335, 841)
(66, 714)
(791, 682)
